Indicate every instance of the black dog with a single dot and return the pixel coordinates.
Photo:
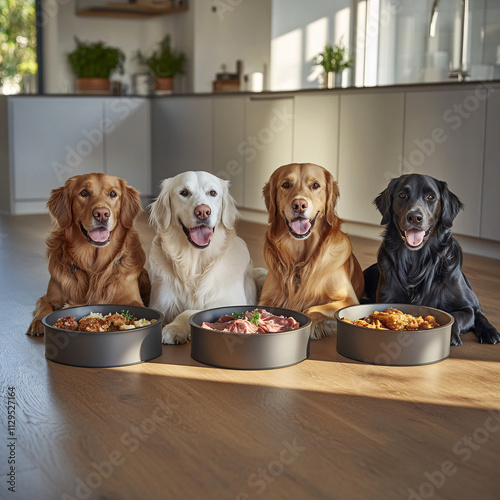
(419, 261)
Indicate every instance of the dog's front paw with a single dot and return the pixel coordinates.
(175, 334)
(36, 328)
(320, 329)
(455, 339)
(488, 335)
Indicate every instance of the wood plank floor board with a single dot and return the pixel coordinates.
(327, 428)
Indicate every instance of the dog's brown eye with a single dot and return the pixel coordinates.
(315, 185)
(285, 185)
(402, 195)
(213, 193)
(112, 194)
(184, 192)
(430, 197)
(83, 193)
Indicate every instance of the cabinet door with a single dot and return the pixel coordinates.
(181, 136)
(490, 209)
(128, 141)
(315, 138)
(370, 148)
(267, 144)
(54, 139)
(228, 134)
(444, 138)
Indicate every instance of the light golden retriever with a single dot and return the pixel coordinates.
(95, 256)
(311, 267)
(197, 261)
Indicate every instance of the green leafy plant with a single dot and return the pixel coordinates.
(333, 58)
(95, 60)
(17, 42)
(163, 63)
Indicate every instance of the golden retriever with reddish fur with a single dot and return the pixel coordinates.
(95, 256)
(311, 267)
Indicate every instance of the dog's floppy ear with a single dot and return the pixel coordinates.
(59, 204)
(384, 201)
(161, 211)
(450, 204)
(269, 193)
(332, 194)
(131, 205)
(229, 211)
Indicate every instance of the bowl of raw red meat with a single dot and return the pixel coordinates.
(250, 337)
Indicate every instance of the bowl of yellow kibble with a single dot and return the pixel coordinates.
(394, 334)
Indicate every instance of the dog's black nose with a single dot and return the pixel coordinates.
(299, 205)
(202, 212)
(414, 217)
(101, 214)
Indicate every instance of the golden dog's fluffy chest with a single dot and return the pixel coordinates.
(314, 279)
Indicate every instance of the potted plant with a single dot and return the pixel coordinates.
(163, 64)
(93, 64)
(334, 62)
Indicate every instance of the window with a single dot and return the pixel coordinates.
(18, 47)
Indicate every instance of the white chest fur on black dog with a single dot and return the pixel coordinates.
(197, 261)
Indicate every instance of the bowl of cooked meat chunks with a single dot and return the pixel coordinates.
(249, 337)
(100, 336)
(394, 334)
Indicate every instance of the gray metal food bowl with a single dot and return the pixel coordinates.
(257, 351)
(103, 349)
(389, 347)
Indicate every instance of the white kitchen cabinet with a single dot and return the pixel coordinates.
(316, 130)
(228, 134)
(267, 145)
(52, 139)
(128, 141)
(444, 138)
(370, 148)
(181, 136)
(490, 208)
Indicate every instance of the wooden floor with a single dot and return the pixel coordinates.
(328, 428)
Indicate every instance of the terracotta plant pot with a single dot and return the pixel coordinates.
(92, 86)
(164, 85)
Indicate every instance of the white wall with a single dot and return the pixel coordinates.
(238, 29)
(300, 30)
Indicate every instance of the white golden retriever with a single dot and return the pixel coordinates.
(197, 261)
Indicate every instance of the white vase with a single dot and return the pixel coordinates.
(332, 79)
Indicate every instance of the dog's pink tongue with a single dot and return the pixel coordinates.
(300, 225)
(414, 237)
(201, 235)
(99, 235)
